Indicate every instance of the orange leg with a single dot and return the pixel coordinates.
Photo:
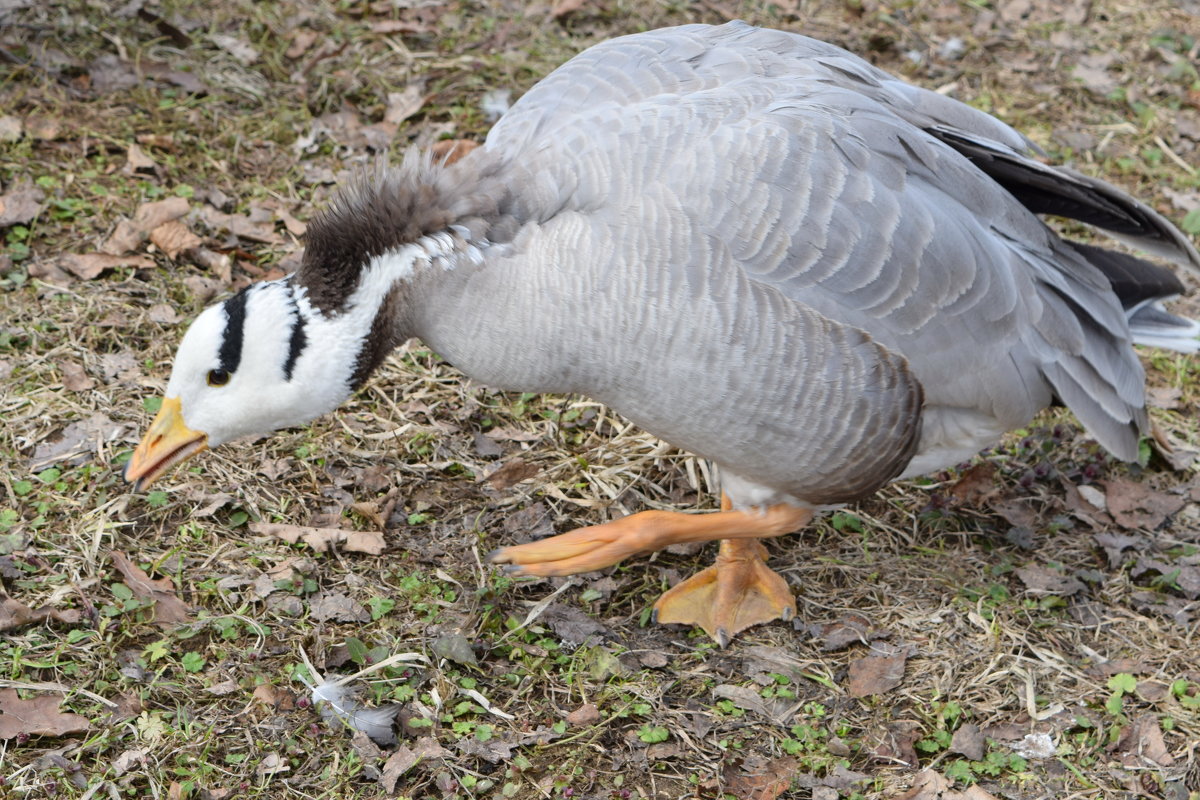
(739, 591)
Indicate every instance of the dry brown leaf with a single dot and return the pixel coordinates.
(239, 48)
(1086, 504)
(405, 758)
(390, 26)
(127, 761)
(846, 631)
(512, 473)
(272, 764)
(87, 266)
(168, 609)
(108, 73)
(302, 39)
(163, 313)
(394, 768)
(45, 128)
(227, 686)
(75, 443)
(1017, 512)
(294, 226)
(587, 714)
(150, 215)
(20, 206)
(404, 104)
(1142, 741)
(564, 8)
(173, 237)
(274, 698)
(136, 160)
(244, 227)
(323, 540)
(211, 260)
(337, 607)
(1092, 70)
(47, 270)
(976, 484)
(74, 378)
(38, 716)
(969, 741)
(1137, 505)
(1043, 580)
(370, 510)
(494, 751)
(11, 129)
(125, 238)
(1181, 574)
(776, 710)
(768, 784)
(129, 706)
(447, 151)
(927, 785)
(130, 234)
(876, 674)
(15, 614)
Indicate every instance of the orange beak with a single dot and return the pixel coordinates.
(167, 443)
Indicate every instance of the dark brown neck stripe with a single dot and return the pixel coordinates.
(380, 212)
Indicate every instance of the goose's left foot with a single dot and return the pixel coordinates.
(599, 546)
(738, 591)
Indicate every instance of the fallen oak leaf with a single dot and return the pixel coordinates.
(168, 608)
(1043, 580)
(87, 266)
(975, 485)
(244, 227)
(173, 238)
(74, 378)
(338, 607)
(20, 206)
(1136, 505)
(163, 313)
(294, 226)
(323, 540)
(130, 233)
(876, 674)
(512, 473)
(136, 161)
(770, 783)
(1142, 742)
(564, 8)
(405, 758)
(969, 741)
(301, 40)
(15, 614)
(402, 105)
(38, 716)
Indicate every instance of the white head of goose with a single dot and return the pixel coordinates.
(754, 245)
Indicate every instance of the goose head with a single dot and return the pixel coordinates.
(246, 367)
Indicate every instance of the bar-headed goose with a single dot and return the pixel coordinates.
(756, 246)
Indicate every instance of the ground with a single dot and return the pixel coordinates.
(1024, 626)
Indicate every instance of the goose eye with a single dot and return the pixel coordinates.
(218, 377)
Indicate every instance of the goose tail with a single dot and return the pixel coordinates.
(1152, 325)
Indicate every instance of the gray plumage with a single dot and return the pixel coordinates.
(766, 251)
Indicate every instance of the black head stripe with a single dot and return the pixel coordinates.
(296, 343)
(230, 354)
